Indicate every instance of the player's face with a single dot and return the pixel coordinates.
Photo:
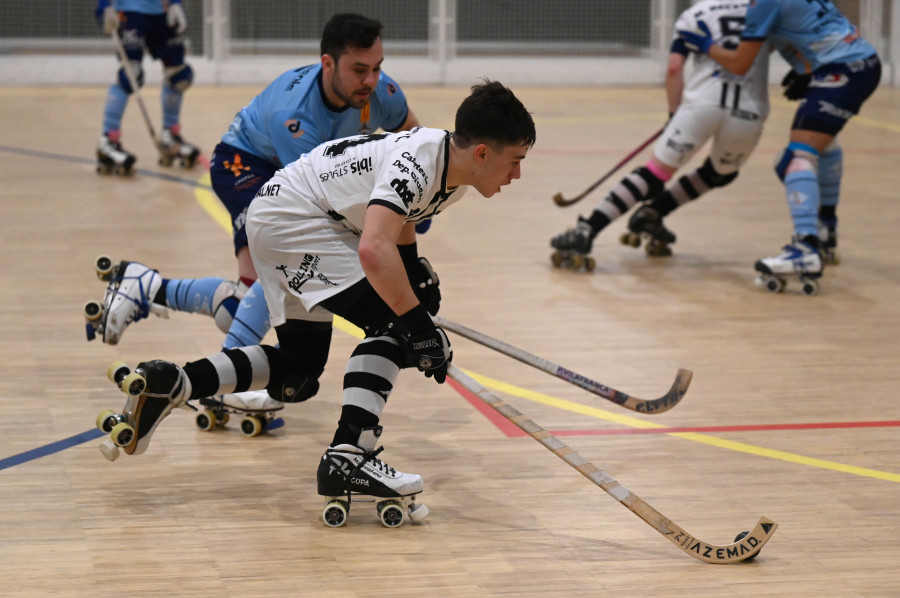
(498, 168)
(356, 73)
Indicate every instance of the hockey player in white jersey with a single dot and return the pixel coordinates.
(334, 233)
(708, 103)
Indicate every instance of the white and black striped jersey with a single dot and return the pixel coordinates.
(710, 84)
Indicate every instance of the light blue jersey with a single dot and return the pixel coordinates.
(807, 33)
(291, 116)
(145, 7)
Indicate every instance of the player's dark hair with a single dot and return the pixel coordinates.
(349, 30)
(492, 114)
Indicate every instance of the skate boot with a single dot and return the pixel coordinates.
(647, 225)
(828, 237)
(256, 408)
(348, 472)
(129, 297)
(154, 388)
(801, 258)
(172, 147)
(573, 247)
(112, 158)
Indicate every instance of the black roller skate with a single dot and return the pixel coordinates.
(112, 158)
(172, 147)
(347, 472)
(573, 247)
(646, 225)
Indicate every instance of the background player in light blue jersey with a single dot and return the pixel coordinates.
(159, 26)
(345, 94)
(843, 71)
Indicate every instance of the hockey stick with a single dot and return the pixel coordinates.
(652, 406)
(562, 202)
(126, 67)
(745, 548)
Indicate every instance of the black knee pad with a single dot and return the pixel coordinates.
(713, 178)
(363, 307)
(300, 360)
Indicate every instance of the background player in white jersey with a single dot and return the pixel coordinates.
(328, 235)
(844, 70)
(345, 94)
(159, 26)
(711, 103)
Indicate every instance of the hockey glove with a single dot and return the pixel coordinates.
(422, 278)
(425, 346)
(109, 19)
(795, 84)
(175, 18)
(697, 42)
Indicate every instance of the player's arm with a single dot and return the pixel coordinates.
(737, 61)
(675, 80)
(383, 230)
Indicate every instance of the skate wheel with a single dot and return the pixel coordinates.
(133, 384)
(107, 420)
(104, 267)
(93, 311)
(252, 426)
(630, 239)
(556, 259)
(576, 262)
(390, 513)
(418, 512)
(589, 264)
(657, 249)
(165, 161)
(109, 450)
(833, 257)
(103, 169)
(335, 513)
(122, 433)
(773, 285)
(117, 372)
(206, 420)
(810, 287)
(222, 418)
(740, 537)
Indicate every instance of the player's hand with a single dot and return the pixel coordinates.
(425, 282)
(110, 20)
(795, 84)
(176, 19)
(425, 345)
(697, 42)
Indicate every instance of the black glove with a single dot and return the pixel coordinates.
(422, 278)
(795, 84)
(425, 345)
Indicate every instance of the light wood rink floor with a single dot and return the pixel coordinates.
(792, 413)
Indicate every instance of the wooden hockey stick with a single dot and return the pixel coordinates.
(562, 202)
(132, 80)
(651, 406)
(743, 549)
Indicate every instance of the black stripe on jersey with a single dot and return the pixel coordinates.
(387, 204)
(243, 370)
(737, 96)
(724, 95)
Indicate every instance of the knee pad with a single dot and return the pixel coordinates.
(303, 348)
(179, 77)
(137, 70)
(225, 303)
(712, 178)
(796, 156)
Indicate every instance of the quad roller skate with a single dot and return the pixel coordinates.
(573, 248)
(828, 237)
(112, 158)
(172, 147)
(129, 297)
(354, 473)
(154, 388)
(801, 259)
(647, 225)
(256, 408)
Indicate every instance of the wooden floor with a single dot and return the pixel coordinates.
(792, 414)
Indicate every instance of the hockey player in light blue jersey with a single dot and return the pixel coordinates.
(834, 71)
(158, 26)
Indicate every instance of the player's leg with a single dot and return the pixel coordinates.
(831, 170)
(111, 155)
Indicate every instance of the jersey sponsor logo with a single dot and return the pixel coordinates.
(403, 192)
(269, 190)
(302, 72)
(830, 81)
(829, 108)
(307, 271)
(357, 167)
(391, 89)
(236, 166)
(293, 125)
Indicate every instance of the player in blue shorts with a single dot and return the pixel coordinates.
(345, 94)
(159, 27)
(834, 72)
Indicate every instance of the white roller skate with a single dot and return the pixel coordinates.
(129, 297)
(172, 147)
(647, 225)
(573, 247)
(801, 258)
(112, 157)
(347, 472)
(154, 388)
(828, 237)
(256, 408)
